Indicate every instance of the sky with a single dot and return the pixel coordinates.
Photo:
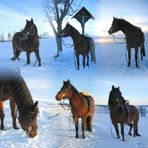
(13, 15)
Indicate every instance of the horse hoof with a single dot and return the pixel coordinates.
(129, 134)
(138, 135)
(123, 139)
(83, 137)
(2, 128)
(13, 59)
(16, 127)
(77, 136)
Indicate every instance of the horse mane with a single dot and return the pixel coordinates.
(74, 29)
(123, 21)
(20, 93)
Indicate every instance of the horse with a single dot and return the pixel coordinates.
(118, 114)
(133, 35)
(14, 88)
(27, 40)
(82, 106)
(82, 45)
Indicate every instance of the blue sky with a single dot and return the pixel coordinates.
(14, 13)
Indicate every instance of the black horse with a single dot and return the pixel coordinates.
(134, 37)
(82, 45)
(118, 113)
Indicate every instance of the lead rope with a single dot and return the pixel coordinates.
(66, 44)
(117, 41)
(62, 104)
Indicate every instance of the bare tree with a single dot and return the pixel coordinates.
(9, 36)
(2, 38)
(57, 11)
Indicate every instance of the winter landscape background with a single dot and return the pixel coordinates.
(55, 127)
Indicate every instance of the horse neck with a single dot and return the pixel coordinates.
(20, 94)
(75, 35)
(76, 98)
(126, 27)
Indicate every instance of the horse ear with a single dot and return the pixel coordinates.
(113, 87)
(68, 81)
(27, 21)
(35, 106)
(32, 20)
(118, 88)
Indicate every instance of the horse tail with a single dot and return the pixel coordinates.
(91, 44)
(142, 45)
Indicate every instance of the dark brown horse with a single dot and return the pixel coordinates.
(13, 88)
(134, 37)
(82, 45)
(28, 41)
(82, 106)
(119, 114)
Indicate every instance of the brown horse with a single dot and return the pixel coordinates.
(28, 41)
(118, 113)
(82, 45)
(134, 37)
(82, 106)
(13, 88)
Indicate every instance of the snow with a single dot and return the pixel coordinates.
(55, 128)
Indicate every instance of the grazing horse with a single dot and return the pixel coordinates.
(82, 106)
(134, 37)
(13, 88)
(28, 41)
(118, 113)
(82, 45)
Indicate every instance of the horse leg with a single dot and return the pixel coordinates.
(141, 51)
(136, 129)
(83, 61)
(129, 56)
(89, 123)
(131, 126)
(136, 57)
(87, 64)
(117, 130)
(122, 131)
(83, 127)
(75, 119)
(13, 113)
(18, 54)
(28, 57)
(78, 63)
(38, 57)
(2, 115)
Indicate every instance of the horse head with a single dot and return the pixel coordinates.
(65, 91)
(115, 26)
(30, 29)
(66, 31)
(28, 120)
(115, 97)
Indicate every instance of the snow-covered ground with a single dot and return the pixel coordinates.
(45, 81)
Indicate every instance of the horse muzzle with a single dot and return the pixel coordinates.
(110, 31)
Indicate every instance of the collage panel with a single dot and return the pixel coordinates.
(73, 73)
